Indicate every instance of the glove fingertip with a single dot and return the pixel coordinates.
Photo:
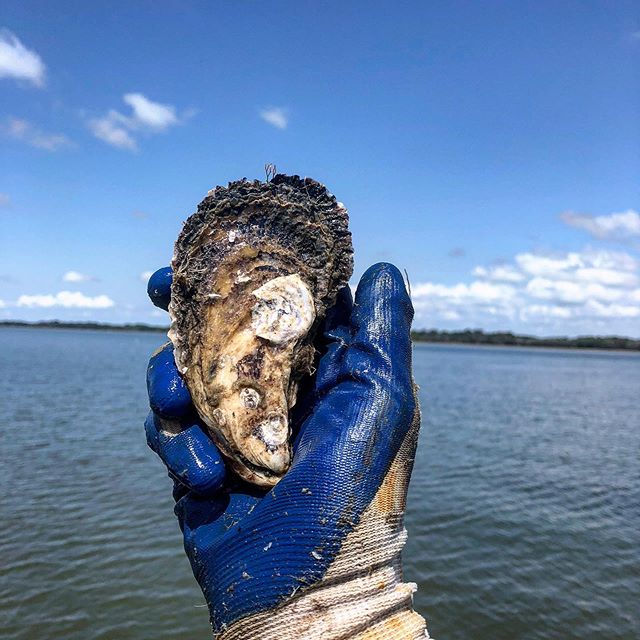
(381, 278)
(159, 287)
(383, 307)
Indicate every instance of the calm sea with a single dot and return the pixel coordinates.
(523, 516)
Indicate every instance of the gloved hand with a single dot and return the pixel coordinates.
(318, 555)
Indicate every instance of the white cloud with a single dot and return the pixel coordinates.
(606, 267)
(550, 266)
(482, 292)
(611, 277)
(3, 304)
(67, 299)
(499, 273)
(462, 301)
(5, 201)
(23, 130)
(610, 259)
(151, 114)
(612, 310)
(545, 311)
(76, 276)
(18, 62)
(146, 117)
(570, 292)
(145, 275)
(567, 292)
(276, 116)
(615, 226)
(108, 130)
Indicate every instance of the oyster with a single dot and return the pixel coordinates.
(255, 269)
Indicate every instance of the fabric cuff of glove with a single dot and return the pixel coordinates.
(372, 605)
(362, 596)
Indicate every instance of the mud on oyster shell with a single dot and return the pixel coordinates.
(255, 269)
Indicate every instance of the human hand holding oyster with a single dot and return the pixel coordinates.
(318, 554)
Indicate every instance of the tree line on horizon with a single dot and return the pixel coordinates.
(507, 338)
(467, 336)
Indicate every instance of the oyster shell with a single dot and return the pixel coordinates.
(255, 269)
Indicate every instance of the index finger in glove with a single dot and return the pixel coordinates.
(370, 408)
(381, 325)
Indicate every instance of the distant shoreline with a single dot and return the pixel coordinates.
(96, 326)
(469, 336)
(508, 339)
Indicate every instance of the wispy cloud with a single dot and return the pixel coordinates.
(146, 117)
(151, 114)
(615, 226)
(109, 130)
(24, 131)
(5, 201)
(457, 252)
(66, 299)
(18, 62)
(145, 275)
(499, 273)
(275, 116)
(76, 276)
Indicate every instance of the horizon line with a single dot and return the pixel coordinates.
(467, 335)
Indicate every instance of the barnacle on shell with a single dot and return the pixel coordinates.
(255, 269)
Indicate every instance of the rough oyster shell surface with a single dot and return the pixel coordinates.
(255, 269)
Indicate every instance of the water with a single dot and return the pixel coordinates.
(524, 509)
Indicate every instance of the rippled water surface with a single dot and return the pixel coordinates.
(524, 509)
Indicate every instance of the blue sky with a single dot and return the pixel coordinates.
(490, 149)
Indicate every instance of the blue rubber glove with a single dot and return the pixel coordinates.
(318, 555)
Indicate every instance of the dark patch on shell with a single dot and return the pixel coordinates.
(251, 365)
